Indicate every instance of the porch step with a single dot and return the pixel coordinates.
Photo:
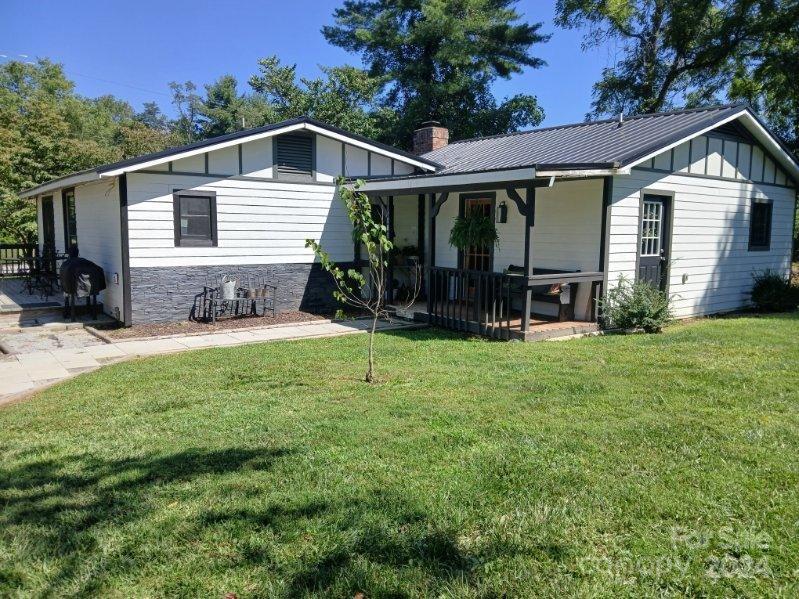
(542, 332)
(30, 316)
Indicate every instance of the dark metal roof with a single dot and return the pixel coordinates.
(596, 144)
(248, 132)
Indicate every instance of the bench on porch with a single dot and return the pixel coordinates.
(564, 295)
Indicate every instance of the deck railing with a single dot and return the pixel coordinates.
(471, 301)
(490, 303)
(14, 258)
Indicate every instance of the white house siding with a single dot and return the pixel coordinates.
(258, 222)
(406, 220)
(710, 265)
(566, 235)
(98, 228)
(262, 224)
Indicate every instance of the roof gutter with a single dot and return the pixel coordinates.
(581, 171)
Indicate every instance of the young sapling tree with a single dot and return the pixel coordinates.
(365, 293)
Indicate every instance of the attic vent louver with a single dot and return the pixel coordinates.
(294, 156)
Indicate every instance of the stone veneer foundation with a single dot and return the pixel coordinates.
(171, 293)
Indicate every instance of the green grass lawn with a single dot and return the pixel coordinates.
(620, 465)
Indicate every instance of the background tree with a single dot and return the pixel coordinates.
(681, 51)
(342, 96)
(437, 60)
(186, 100)
(766, 74)
(47, 130)
(225, 110)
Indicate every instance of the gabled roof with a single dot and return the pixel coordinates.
(231, 139)
(606, 144)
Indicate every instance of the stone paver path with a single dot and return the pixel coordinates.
(25, 372)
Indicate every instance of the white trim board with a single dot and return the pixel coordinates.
(264, 135)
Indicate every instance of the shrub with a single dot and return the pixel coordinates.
(773, 292)
(635, 306)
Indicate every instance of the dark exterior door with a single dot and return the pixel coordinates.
(479, 258)
(48, 223)
(653, 251)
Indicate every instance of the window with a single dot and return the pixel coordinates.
(294, 157)
(760, 225)
(478, 257)
(651, 224)
(70, 222)
(195, 218)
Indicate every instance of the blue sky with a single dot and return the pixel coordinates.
(133, 50)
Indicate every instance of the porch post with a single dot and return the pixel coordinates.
(430, 253)
(390, 286)
(607, 194)
(528, 256)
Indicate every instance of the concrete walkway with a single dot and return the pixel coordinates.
(22, 373)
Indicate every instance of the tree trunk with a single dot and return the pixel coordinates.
(370, 376)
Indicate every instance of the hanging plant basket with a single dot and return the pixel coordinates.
(473, 230)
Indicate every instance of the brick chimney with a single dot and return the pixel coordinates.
(430, 136)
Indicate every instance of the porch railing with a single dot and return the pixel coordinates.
(14, 258)
(489, 303)
(471, 301)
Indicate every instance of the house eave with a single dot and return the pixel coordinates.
(433, 182)
(60, 183)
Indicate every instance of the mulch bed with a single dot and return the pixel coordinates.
(194, 327)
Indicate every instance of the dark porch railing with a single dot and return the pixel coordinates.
(471, 301)
(15, 258)
(483, 302)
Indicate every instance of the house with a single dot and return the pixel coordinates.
(694, 201)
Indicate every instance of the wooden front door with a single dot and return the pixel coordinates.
(478, 257)
(48, 223)
(653, 251)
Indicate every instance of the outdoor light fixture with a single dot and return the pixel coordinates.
(502, 212)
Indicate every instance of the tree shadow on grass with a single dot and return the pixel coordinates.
(60, 504)
(365, 540)
(378, 543)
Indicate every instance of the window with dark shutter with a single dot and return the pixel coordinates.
(294, 156)
(760, 225)
(70, 220)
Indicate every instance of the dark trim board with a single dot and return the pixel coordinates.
(711, 177)
(607, 199)
(127, 311)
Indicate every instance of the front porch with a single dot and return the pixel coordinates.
(543, 279)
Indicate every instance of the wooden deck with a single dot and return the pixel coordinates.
(541, 328)
(14, 297)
